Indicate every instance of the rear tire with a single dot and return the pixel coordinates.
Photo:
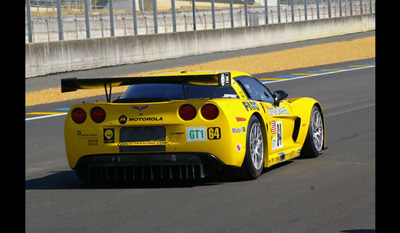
(253, 163)
(315, 136)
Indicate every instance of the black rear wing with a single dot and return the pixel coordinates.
(73, 84)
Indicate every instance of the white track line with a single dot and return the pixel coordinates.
(314, 75)
(47, 116)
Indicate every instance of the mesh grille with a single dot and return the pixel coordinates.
(158, 172)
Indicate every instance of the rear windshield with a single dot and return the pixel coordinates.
(164, 92)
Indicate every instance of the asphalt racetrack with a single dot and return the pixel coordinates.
(332, 193)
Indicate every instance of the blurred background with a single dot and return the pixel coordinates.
(53, 20)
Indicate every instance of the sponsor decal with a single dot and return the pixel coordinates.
(109, 135)
(90, 137)
(140, 108)
(123, 119)
(273, 143)
(232, 96)
(250, 105)
(239, 130)
(238, 147)
(143, 143)
(278, 111)
(214, 133)
(84, 135)
(92, 142)
(196, 134)
(145, 119)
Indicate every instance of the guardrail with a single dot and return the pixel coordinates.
(71, 20)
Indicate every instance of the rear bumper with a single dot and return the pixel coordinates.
(147, 166)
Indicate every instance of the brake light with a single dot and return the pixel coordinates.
(98, 114)
(187, 112)
(209, 111)
(78, 115)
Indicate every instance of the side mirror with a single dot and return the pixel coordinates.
(279, 95)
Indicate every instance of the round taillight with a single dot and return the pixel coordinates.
(187, 112)
(98, 114)
(78, 115)
(209, 111)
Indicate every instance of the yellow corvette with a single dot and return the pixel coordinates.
(188, 125)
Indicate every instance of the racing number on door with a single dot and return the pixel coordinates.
(279, 143)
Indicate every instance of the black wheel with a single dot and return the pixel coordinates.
(254, 160)
(315, 136)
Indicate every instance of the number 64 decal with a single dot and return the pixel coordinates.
(213, 133)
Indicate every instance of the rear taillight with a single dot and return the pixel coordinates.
(187, 112)
(209, 111)
(98, 114)
(78, 115)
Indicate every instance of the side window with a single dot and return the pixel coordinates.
(254, 89)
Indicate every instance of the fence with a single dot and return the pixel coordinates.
(73, 23)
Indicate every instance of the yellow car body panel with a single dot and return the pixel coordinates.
(89, 137)
(224, 137)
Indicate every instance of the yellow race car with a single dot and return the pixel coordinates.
(188, 125)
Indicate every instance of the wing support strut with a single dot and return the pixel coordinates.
(108, 95)
(185, 92)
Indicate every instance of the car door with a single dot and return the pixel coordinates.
(278, 117)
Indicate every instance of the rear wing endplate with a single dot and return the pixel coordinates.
(73, 84)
